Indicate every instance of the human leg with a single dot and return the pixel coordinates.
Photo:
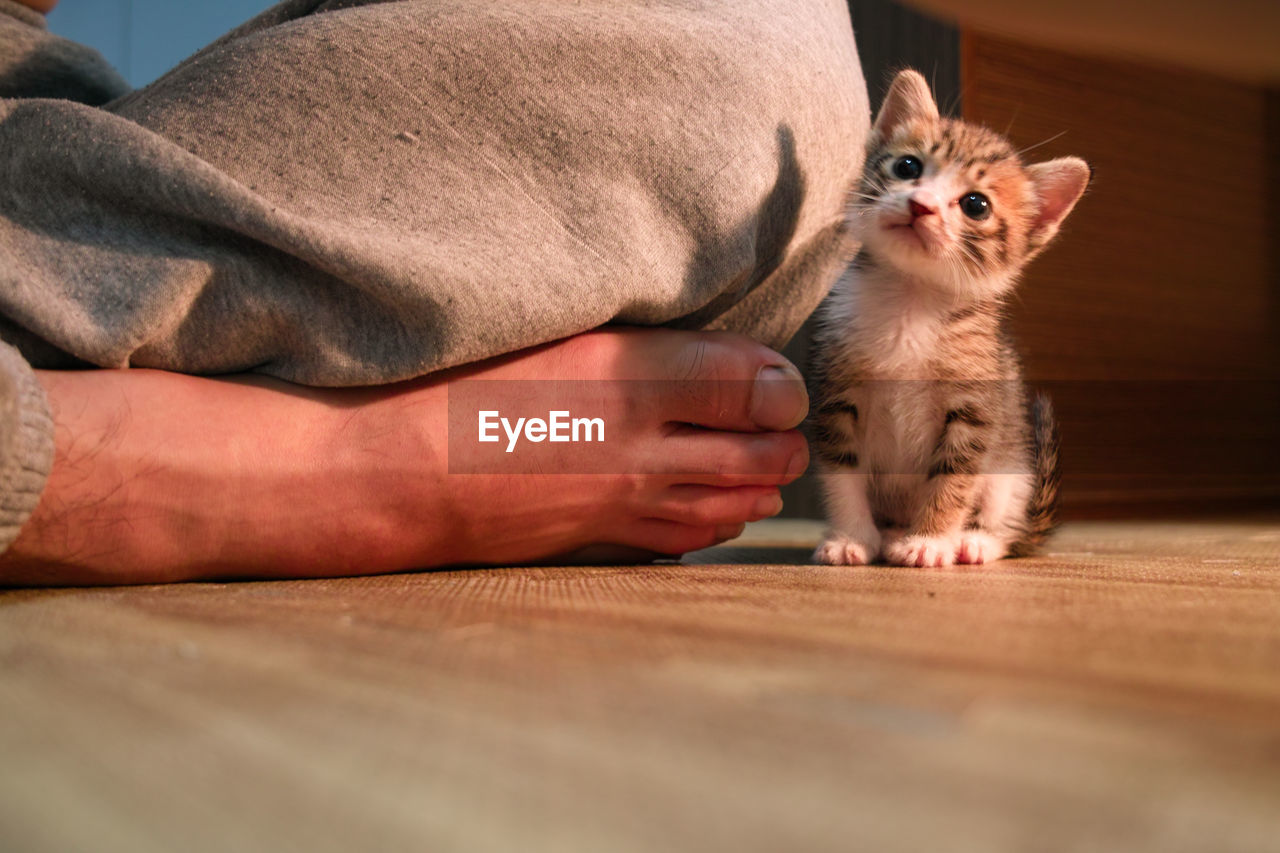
(165, 477)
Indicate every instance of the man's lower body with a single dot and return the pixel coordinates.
(346, 194)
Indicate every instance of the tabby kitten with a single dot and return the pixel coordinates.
(930, 452)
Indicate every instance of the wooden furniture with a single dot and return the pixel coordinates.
(1155, 323)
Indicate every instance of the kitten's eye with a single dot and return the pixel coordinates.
(908, 168)
(976, 206)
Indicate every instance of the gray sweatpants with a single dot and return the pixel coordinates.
(348, 193)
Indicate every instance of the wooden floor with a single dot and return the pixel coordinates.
(1121, 693)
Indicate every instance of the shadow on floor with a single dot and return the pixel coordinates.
(750, 555)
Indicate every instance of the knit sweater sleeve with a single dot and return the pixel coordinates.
(26, 443)
(34, 63)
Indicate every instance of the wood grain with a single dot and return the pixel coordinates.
(1164, 269)
(1235, 39)
(1156, 318)
(1121, 693)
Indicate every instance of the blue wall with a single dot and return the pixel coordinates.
(145, 38)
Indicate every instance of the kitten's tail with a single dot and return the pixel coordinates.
(1042, 508)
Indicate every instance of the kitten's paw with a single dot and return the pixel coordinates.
(921, 551)
(976, 547)
(840, 550)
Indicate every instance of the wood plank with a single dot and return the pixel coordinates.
(1236, 39)
(1164, 269)
(1155, 319)
(1122, 692)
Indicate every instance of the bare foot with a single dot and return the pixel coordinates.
(160, 477)
(700, 434)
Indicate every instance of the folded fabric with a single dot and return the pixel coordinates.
(349, 193)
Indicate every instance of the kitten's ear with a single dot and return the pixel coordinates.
(1059, 185)
(908, 98)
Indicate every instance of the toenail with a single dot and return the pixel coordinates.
(769, 506)
(798, 463)
(778, 398)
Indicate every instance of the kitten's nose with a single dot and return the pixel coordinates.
(919, 209)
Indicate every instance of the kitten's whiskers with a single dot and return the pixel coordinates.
(1038, 144)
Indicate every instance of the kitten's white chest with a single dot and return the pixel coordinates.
(895, 330)
(906, 346)
(894, 336)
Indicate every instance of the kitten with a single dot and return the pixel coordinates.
(930, 452)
